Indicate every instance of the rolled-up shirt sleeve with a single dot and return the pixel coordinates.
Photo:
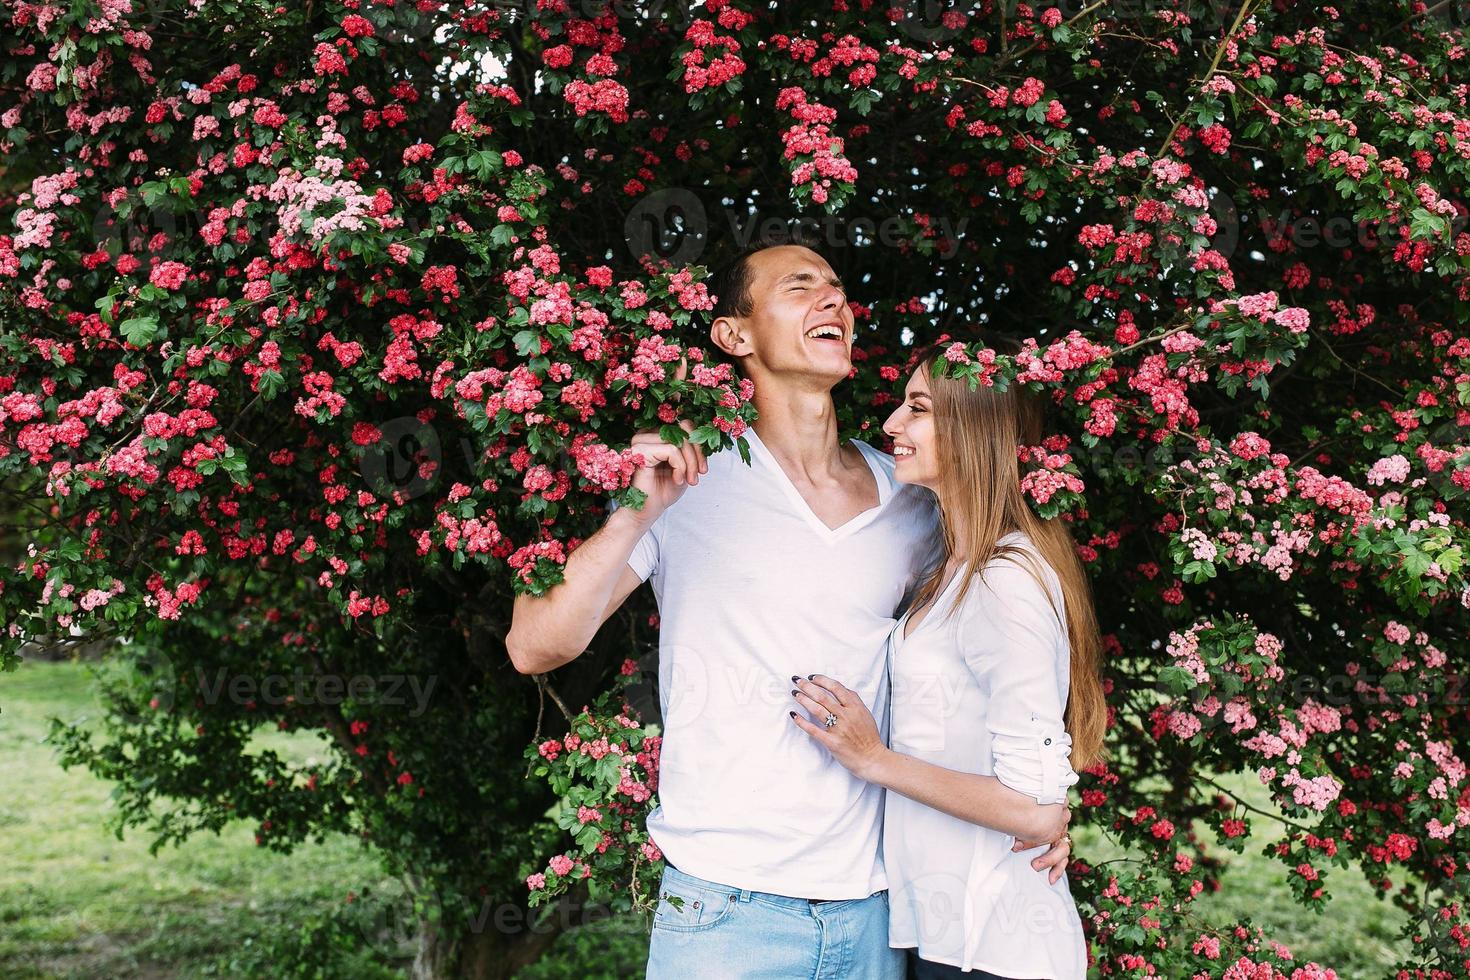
(1016, 647)
(644, 559)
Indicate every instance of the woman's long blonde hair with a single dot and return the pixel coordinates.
(977, 434)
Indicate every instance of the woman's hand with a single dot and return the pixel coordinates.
(853, 740)
(1054, 861)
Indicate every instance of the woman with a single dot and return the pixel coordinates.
(996, 700)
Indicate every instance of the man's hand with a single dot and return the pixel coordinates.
(1056, 858)
(666, 471)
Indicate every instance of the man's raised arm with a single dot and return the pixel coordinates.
(553, 629)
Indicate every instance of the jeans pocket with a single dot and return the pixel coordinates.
(687, 904)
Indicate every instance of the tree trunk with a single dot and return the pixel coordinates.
(486, 948)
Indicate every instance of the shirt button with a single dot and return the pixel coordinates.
(1047, 742)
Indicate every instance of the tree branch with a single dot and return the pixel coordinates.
(1255, 809)
(546, 688)
(1240, 17)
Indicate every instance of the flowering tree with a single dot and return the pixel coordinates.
(323, 326)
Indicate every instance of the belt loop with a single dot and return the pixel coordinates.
(745, 894)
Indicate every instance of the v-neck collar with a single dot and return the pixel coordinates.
(929, 614)
(885, 491)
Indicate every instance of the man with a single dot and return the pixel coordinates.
(792, 566)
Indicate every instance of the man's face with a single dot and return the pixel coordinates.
(800, 325)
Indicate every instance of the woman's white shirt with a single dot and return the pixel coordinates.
(983, 690)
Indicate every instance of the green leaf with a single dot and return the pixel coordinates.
(863, 101)
(139, 330)
(527, 342)
(706, 436)
(1176, 679)
(271, 384)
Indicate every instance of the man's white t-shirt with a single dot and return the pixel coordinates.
(752, 588)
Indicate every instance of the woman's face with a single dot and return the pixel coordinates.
(912, 428)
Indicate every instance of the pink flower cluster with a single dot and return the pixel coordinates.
(713, 60)
(604, 95)
(815, 152)
(1071, 353)
(603, 467)
(1050, 473)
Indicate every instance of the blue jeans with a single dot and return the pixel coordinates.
(723, 933)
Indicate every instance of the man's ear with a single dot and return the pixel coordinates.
(725, 333)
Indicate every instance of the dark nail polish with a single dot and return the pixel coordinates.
(810, 676)
(791, 713)
(794, 678)
(794, 692)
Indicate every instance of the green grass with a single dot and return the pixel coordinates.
(1357, 934)
(77, 904)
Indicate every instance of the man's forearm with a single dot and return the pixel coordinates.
(982, 800)
(553, 629)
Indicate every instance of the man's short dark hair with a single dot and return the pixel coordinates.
(731, 282)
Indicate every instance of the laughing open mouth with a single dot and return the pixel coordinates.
(826, 331)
